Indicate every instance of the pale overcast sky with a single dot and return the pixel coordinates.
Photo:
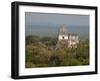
(45, 22)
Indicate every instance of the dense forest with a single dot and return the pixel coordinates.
(40, 52)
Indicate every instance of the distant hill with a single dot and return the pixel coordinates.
(83, 32)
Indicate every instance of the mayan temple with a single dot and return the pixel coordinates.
(66, 39)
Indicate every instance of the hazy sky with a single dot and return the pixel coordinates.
(44, 23)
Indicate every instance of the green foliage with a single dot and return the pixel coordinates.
(40, 52)
(49, 41)
(32, 39)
